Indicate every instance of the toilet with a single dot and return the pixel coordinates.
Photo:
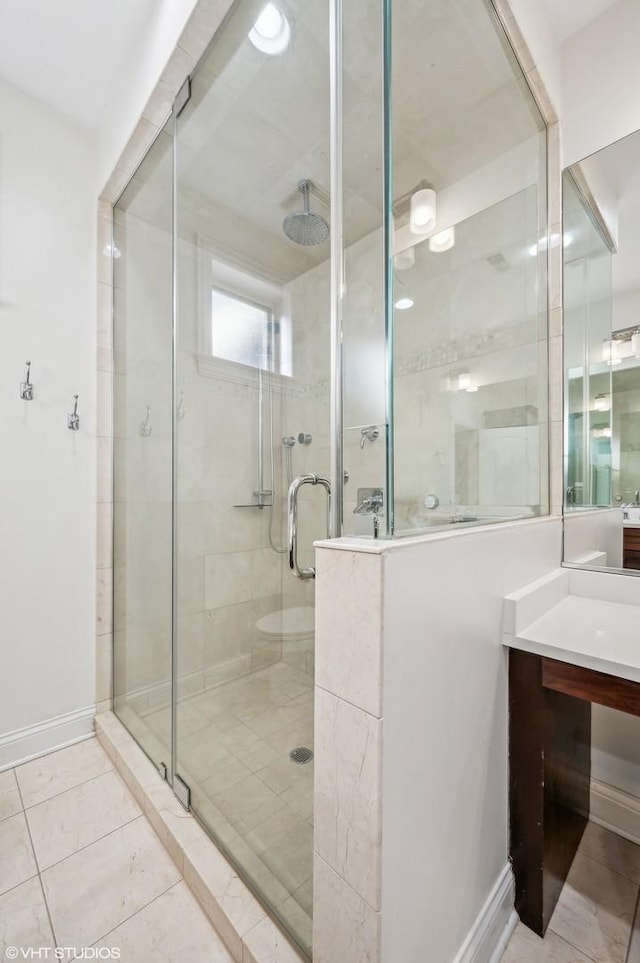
(295, 629)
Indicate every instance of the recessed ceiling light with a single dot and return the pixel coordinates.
(402, 304)
(271, 32)
(110, 250)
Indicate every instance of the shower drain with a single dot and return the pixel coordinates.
(300, 755)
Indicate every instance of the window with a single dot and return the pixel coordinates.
(241, 331)
(245, 321)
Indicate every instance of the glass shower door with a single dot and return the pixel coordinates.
(252, 391)
(143, 453)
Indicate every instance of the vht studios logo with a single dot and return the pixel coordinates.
(62, 953)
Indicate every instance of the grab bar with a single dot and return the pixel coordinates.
(294, 488)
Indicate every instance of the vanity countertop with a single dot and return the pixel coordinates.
(630, 523)
(585, 631)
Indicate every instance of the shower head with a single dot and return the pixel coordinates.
(305, 227)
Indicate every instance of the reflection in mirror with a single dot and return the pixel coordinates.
(601, 245)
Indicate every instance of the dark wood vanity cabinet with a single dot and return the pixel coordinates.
(631, 547)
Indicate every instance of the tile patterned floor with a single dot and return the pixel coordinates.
(80, 866)
(233, 750)
(593, 921)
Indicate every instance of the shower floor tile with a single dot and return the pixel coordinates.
(233, 745)
(593, 920)
(111, 884)
(257, 802)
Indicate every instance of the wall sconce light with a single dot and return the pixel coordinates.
(405, 259)
(621, 344)
(443, 241)
(611, 351)
(422, 211)
(402, 300)
(461, 381)
(602, 402)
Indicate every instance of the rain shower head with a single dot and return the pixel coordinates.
(305, 227)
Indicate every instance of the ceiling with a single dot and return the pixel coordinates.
(256, 125)
(569, 16)
(68, 53)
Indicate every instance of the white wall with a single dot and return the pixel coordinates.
(538, 31)
(594, 531)
(147, 57)
(47, 483)
(600, 79)
(445, 817)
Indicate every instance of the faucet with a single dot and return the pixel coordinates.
(369, 504)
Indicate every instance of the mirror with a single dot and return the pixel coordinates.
(601, 304)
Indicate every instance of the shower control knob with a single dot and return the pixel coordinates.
(431, 501)
(304, 439)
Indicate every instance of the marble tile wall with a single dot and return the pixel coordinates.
(349, 732)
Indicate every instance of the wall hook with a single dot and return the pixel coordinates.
(145, 426)
(26, 388)
(369, 433)
(73, 420)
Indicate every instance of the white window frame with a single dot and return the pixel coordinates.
(247, 286)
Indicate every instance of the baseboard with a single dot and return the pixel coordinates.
(21, 745)
(492, 929)
(616, 810)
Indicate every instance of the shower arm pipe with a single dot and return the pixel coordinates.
(260, 434)
(337, 270)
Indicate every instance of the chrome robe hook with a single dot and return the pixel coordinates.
(26, 388)
(73, 420)
(145, 426)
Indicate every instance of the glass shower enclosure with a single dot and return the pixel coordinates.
(281, 314)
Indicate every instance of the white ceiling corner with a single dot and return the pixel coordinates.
(569, 16)
(68, 53)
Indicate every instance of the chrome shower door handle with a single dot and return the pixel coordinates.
(294, 488)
